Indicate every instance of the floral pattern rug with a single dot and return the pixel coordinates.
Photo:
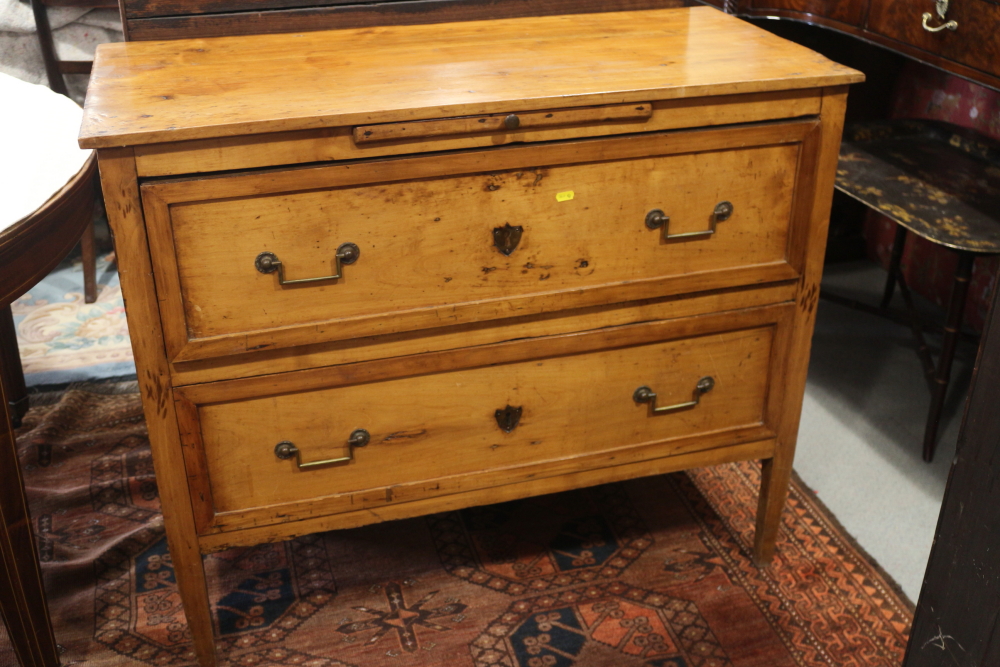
(62, 339)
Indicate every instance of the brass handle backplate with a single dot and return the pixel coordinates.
(657, 219)
(268, 262)
(941, 7)
(285, 450)
(647, 395)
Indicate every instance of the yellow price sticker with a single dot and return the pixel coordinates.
(564, 196)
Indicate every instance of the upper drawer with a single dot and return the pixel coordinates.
(471, 236)
(974, 42)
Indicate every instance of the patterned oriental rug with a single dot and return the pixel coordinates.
(648, 573)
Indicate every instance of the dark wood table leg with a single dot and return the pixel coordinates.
(88, 251)
(11, 373)
(923, 349)
(953, 323)
(47, 45)
(22, 597)
(894, 265)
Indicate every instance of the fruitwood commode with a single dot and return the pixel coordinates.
(376, 273)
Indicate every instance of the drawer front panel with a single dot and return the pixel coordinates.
(502, 422)
(457, 248)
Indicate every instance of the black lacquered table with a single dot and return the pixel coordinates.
(940, 182)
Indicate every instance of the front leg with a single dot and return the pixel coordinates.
(775, 475)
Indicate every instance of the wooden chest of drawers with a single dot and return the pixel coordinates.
(376, 274)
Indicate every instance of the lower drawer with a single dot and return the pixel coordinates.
(446, 423)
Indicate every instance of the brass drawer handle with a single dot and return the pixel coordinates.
(647, 395)
(941, 7)
(285, 450)
(656, 219)
(268, 262)
(950, 25)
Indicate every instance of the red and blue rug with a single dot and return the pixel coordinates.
(648, 573)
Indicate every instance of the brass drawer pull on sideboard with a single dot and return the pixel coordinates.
(285, 450)
(647, 395)
(941, 7)
(656, 219)
(268, 262)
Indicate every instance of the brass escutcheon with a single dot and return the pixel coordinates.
(508, 418)
(507, 237)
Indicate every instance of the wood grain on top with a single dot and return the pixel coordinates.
(149, 92)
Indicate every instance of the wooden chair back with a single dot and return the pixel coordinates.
(175, 19)
(54, 67)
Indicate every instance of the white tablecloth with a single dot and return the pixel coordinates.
(38, 146)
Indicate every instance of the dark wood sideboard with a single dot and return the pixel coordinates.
(170, 19)
(970, 50)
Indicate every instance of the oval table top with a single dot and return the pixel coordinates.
(940, 181)
(39, 154)
(47, 189)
